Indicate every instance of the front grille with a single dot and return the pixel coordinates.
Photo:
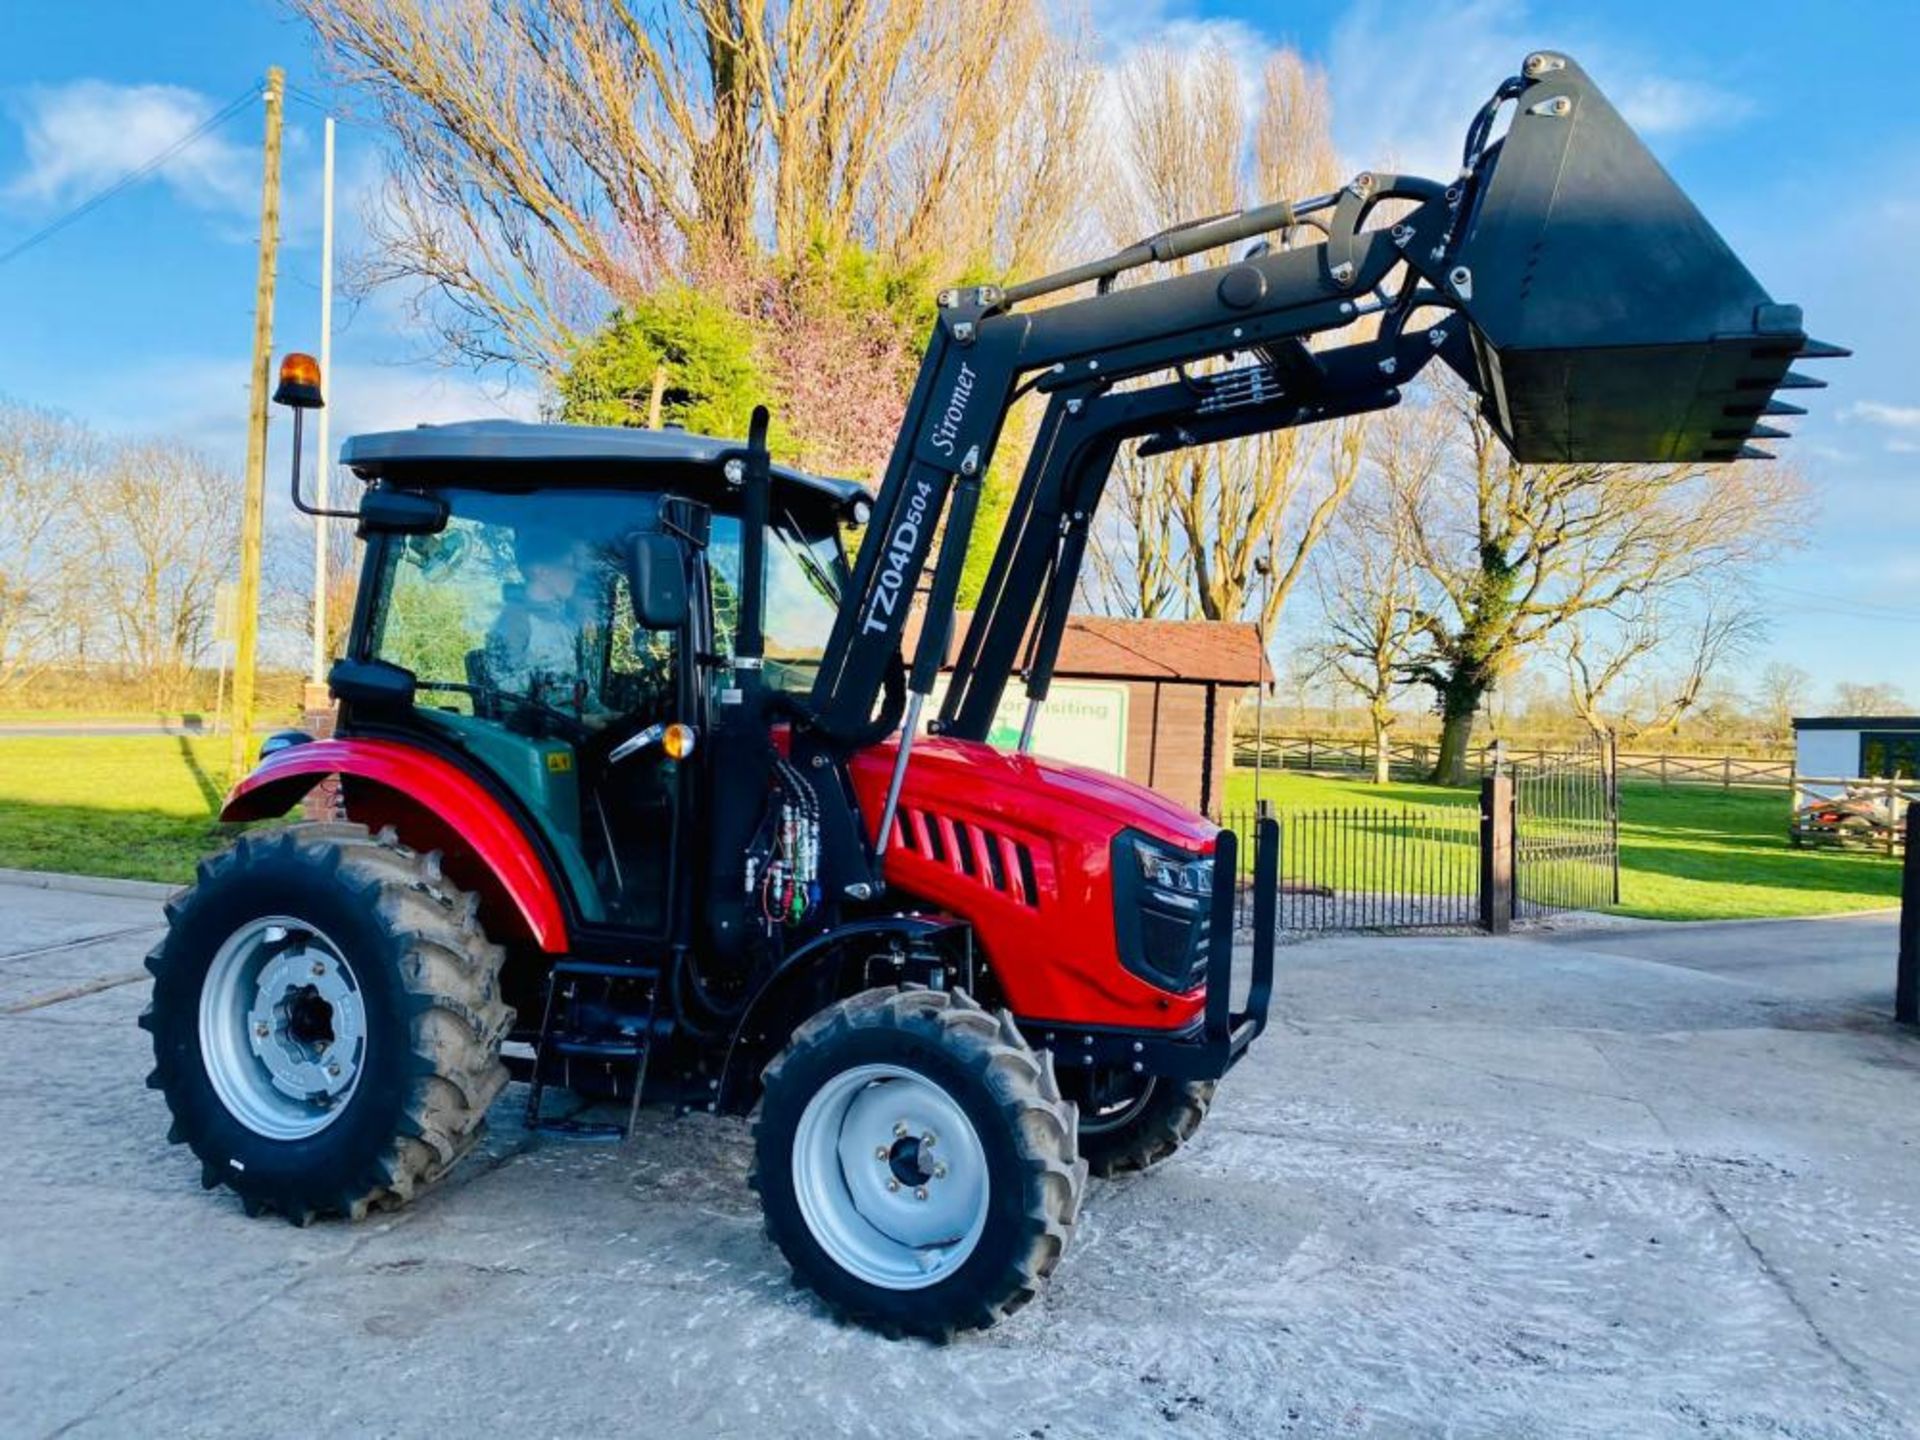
(1173, 945)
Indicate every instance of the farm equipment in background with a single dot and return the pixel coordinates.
(1850, 813)
(636, 800)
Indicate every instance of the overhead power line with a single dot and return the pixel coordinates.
(134, 176)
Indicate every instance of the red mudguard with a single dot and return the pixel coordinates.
(434, 805)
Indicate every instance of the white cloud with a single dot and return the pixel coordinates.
(1658, 105)
(379, 397)
(1406, 81)
(82, 136)
(1893, 417)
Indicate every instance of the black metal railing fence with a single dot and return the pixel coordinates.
(1543, 838)
(1369, 866)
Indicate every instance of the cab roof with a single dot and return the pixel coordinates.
(467, 445)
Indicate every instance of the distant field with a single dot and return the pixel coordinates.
(142, 807)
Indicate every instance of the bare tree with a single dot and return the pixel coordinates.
(1189, 143)
(1132, 569)
(1853, 697)
(555, 157)
(1368, 586)
(45, 460)
(160, 521)
(1715, 625)
(1516, 553)
(1781, 690)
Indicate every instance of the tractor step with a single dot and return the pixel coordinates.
(596, 1014)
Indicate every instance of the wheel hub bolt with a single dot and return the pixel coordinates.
(939, 1172)
(899, 1128)
(927, 1139)
(880, 1152)
(892, 1185)
(319, 967)
(921, 1193)
(262, 1030)
(334, 1070)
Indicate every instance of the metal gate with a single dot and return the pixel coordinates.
(1566, 831)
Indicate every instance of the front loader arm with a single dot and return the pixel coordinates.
(1562, 274)
(980, 351)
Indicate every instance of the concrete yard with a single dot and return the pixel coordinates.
(1609, 1181)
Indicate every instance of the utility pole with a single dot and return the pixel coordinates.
(323, 459)
(247, 601)
(1263, 567)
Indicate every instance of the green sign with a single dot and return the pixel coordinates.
(1083, 722)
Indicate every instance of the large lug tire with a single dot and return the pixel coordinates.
(326, 1021)
(916, 1162)
(1134, 1122)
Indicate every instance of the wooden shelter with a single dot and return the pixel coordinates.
(1176, 684)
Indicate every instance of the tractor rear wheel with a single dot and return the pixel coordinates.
(916, 1162)
(326, 1021)
(1133, 1122)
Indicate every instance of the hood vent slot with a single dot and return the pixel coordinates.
(995, 861)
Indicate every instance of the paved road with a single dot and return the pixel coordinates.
(1605, 1183)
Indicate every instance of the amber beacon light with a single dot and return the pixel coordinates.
(299, 386)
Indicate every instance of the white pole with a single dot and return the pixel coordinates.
(323, 458)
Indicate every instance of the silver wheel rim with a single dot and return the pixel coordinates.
(283, 1028)
(863, 1141)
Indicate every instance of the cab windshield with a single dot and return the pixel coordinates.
(519, 608)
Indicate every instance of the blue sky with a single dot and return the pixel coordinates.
(1790, 124)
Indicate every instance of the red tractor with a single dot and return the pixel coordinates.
(638, 803)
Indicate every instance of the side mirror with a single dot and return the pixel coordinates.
(401, 512)
(659, 581)
(373, 685)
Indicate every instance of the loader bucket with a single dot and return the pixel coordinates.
(1610, 321)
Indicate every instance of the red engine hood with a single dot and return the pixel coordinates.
(1022, 848)
(1042, 794)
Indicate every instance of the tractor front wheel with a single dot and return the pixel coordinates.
(1133, 1122)
(916, 1162)
(326, 1021)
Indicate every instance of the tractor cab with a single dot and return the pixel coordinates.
(566, 630)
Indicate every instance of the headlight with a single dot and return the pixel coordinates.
(1173, 870)
(1161, 898)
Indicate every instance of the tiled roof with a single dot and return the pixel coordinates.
(1099, 646)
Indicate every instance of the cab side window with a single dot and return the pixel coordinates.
(803, 581)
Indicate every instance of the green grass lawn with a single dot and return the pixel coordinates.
(1686, 852)
(143, 807)
(137, 807)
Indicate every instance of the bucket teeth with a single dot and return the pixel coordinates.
(1752, 452)
(1782, 407)
(1794, 380)
(1821, 350)
(1753, 432)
